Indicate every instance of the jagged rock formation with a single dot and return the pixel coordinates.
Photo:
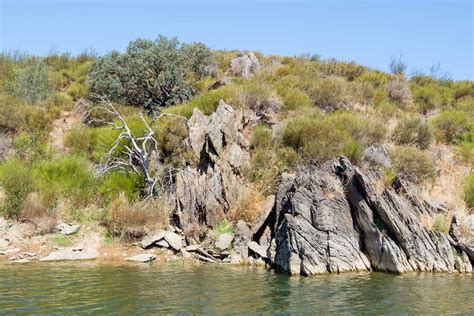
(245, 66)
(205, 194)
(332, 219)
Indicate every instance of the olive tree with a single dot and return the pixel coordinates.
(152, 74)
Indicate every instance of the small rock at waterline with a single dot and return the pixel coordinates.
(72, 253)
(21, 261)
(174, 240)
(224, 241)
(259, 250)
(162, 243)
(150, 240)
(143, 257)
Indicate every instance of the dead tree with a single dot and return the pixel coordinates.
(129, 151)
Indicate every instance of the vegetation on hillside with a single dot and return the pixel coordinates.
(317, 110)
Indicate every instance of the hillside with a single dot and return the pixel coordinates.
(168, 134)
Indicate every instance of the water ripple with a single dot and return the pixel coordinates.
(94, 289)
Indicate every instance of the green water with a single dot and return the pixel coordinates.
(97, 289)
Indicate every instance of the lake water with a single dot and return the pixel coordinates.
(89, 288)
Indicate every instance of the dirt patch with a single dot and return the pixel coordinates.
(66, 122)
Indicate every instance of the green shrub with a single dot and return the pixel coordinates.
(469, 190)
(329, 93)
(115, 183)
(449, 125)
(413, 130)
(30, 147)
(79, 140)
(367, 130)
(206, 102)
(431, 96)
(465, 151)
(68, 178)
(466, 104)
(441, 223)
(294, 99)
(262, 137)
(17, 182)
(32, 82)
(316, 137)
(413, 162)
(224, 227)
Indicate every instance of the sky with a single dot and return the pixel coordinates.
(369, 32)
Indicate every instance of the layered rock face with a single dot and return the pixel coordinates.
(332, 219)
(205, 194)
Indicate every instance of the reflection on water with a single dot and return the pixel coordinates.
(90, 288)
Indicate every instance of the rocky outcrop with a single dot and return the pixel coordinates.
(204, 194)
(315, 232)
(245, 65)
(332, 219)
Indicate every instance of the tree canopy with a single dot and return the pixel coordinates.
(152, 74)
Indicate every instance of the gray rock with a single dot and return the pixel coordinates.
(469, 222)
(150, 240)
(245, 66)
(192, 248)
(162, 243)
(197, 124)
(174, 240)
(185, 254)
(66, 229)
(331, 219)
(21, 261)
(143, 257)
(259, 250)
(205, 194)
(30, 254)
(242, 237)
(224, 241)
(72, 253)
(262, 220)
(376, 155)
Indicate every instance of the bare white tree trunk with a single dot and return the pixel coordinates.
(128, 151)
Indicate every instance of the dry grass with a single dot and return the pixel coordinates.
(248, 205)
(34, 211)
(133, 220)
(448, 186)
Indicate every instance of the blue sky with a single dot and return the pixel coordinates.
(369, 32)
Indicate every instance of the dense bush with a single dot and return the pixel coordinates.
(115, 183)
(262, 137)
(413, 162)
(413, 130)
(68, 178)
(315, 137)
(469, 190)
(399, 91)
(17, 182)
(449, 125)
(134, 220)
(152, 74)
(32, 82)
(432, 96)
